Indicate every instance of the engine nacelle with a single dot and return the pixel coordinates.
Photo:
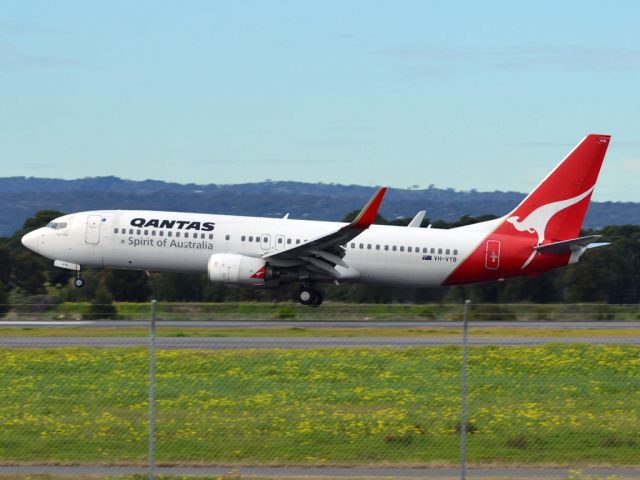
(237, 269)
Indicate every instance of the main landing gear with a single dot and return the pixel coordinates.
(308, 296)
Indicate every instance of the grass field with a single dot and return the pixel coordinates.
(336, 311)
(555, 404)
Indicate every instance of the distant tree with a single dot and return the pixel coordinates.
(101, 307)
(28, 273)
(127, 285)
(178, 287)
(5, 265)
(379, 220)
(40, 219)
(4, 301)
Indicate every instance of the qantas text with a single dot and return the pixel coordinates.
(179, 224)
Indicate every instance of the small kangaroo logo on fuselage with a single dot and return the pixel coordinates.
(537, 221)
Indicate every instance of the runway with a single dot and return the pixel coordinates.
(319, 324)
(219, 343)
(326, 472)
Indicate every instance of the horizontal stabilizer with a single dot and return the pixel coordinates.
(570, 246)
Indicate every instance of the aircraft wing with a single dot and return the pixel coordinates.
(324, 254)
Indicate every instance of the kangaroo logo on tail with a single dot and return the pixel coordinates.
(537, 221)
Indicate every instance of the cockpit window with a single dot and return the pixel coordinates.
(57, 225)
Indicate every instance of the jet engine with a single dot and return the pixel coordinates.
(237, 269)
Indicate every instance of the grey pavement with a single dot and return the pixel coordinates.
(324, 472)
(320, 324)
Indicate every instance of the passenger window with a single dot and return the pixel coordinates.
(455, 252)
(177, 234)
(153, 233)
(402, 249)
(161, 233)
(169, 233)
(417, 249)
(251, 238)
(115, 230)
(131, 231)
(433, 250)
(368, 246)
(227, 237)
(361, 246)
(210, 236)
(279, 239)
(386, 248)
(439, 251)
(138, 231)
(288, 241)
(353, 245)
(395, 248)
(447, 251)
(297, 241)
(242, 238)
(186, 234)
(377, 246)
(409, 249)
(425, 250)
(265, 239)
(202, 235)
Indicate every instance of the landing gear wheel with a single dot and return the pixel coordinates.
(309, 296)
(78, 282)
(317, 301)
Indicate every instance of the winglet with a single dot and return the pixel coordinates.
(368, 214)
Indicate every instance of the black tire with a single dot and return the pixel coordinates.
(78, 282)
(305, 296)
(317, 301)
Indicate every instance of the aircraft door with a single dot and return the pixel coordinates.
(94, 223)
(265, 241)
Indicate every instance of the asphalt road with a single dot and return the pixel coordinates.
(317, 324)
(327, 472)
(217, 343)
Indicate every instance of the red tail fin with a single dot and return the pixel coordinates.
(555, 210)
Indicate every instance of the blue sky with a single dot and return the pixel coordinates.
(485, 95)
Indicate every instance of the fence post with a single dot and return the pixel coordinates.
(152, 390)
(463, 407)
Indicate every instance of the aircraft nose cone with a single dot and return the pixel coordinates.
(30, 240)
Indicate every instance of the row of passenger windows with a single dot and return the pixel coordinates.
(265, 239)
(362, 246)
(395, 248)
(160, 233)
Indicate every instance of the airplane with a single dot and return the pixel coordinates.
(541, 233)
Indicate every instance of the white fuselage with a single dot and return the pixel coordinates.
(184, 242)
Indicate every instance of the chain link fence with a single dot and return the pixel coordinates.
(350, 394)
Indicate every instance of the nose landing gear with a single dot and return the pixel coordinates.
(308, 296)
(78, 282)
